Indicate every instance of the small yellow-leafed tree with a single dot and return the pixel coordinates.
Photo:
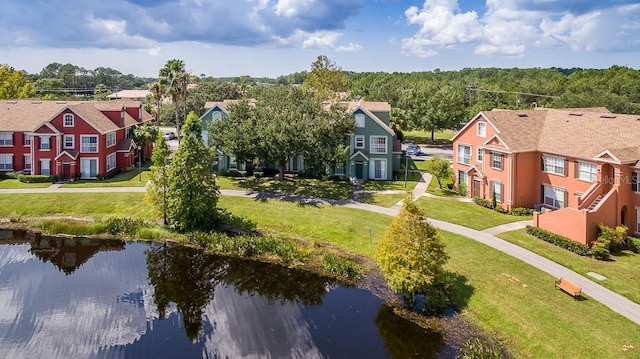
(412, 258)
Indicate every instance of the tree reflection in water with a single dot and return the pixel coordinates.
(188, 277)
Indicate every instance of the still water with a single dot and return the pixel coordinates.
(88, 298)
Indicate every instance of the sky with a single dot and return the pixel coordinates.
(271, 38)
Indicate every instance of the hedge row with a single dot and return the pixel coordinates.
(519, 211)
(560, 241)
(633, 244)
(37, 178)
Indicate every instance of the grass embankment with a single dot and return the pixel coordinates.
(14, 183)
(508, 298)
(435, 190)
(621, 270)
(129, 178)
(466, 214)
(424, 138)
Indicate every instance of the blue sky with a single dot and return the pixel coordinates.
(277, 37)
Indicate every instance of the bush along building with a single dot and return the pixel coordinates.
(374, 150)
(69, 139)
(577, 167)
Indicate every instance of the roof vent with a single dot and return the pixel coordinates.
(607, 116)
(522, 114)
(12, 102)
(61, 102)
(575, 114)
(36, 102)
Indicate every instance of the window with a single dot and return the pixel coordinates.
(45, 168)
(6, 162)
(27, 140)
(232, 163)
(496, 160)
(463, 177)
(554, 197)
(587, 171)
(45, 143)
(111, 162)
(111, 139)
(68, 120)
(464, 154)
(480, 154)
(216, 115)
(88, 167)
(638, 220)
(635, 182)
(6, 139)
(378, 169)
(359, 141)
(378, 144)
(496, 187)
(359, 120)
(339, 170)
(88, 143)
(27, 163)
(68, 141)
(482, 129)
(553, 165)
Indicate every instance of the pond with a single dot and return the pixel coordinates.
(90, 298)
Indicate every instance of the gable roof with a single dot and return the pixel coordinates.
(582, 133)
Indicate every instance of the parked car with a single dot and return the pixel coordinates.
(169, 135)
(413, 150)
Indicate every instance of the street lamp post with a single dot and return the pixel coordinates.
(406, 167)
(139, 163)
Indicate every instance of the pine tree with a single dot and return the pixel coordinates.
(159, 182)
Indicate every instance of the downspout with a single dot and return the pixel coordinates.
(510, 180)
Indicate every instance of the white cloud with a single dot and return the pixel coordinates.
(349, 48)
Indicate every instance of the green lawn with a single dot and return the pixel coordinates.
(412, 180)
(621, 271)
(383, 200)
(509, 299)
(14, 183)
(424, 137)
(466, 214)
(129, 178)
(435, 190)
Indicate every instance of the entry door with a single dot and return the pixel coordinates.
(359, 170)
(66, 170)
(89, 167)
(476, 188)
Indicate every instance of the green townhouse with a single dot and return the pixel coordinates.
(374, 150)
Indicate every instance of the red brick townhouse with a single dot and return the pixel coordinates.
(68, 138)
(579, 166)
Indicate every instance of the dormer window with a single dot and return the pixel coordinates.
(482, 129)
(122, 116)
(360, 120)
(68, 120)
(217, 115)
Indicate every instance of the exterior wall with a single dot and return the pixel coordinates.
(526, 189)
(372, 128)
(568, 222)
(17, 151)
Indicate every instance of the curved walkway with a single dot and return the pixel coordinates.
(614, 301)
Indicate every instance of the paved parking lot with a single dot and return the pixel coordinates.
(431, 151)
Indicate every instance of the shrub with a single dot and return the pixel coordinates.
(483, 202)
(341, 267)
(558, 240)
(520, 211)
(9, 175)
(494, 200)
(615, 237)
(501, 209)
(35, 178)
(633, 244)
(122, 225)
(599, 251)
(230, 173)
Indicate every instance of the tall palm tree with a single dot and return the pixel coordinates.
(157, 90)
(172, 75)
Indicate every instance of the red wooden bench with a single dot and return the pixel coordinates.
(569, 287)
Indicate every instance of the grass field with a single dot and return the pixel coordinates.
(466, 214)
(130, 178)
(621, 271)
(511, 300)
(435, 190)
(424, 137)
(14, 183)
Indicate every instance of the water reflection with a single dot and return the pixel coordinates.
(75, 299)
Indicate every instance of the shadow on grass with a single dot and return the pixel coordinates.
(293, 186)
(460, 291)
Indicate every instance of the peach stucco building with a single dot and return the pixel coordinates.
(579, 166)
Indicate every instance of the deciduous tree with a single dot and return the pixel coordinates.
(326, 78)
(440, 168)
(13, 84)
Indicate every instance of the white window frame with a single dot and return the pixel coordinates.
(67, 120)
(88, 148)
(339, 169)
(480, 154)
(463, 176)
(497, 161)
(111, 139)
(497, 188)
(6, 139)
(48, 167)
(6, 162)
(111, 162)
(382, 168)
(27, 140)
(360, 120)
(637, 219)
(42, 146)
(216, 115)
(463, 156)
(587, 171)
(376, 147)
(554, 165)
(66, 144)
(82, 161)
(481, 129)
(635, 182)
(27, 162)
(358, 141)
(550, 196)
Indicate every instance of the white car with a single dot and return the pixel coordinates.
(169, 135)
